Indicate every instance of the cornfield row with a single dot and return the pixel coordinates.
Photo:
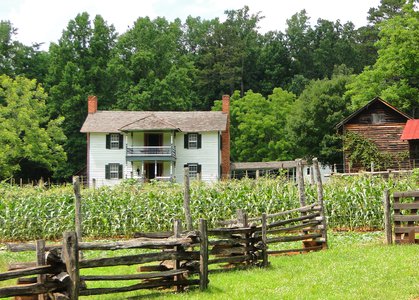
(29, 213)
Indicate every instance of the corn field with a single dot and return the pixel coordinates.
(29, 213)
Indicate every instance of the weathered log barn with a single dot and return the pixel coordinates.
(381, 123)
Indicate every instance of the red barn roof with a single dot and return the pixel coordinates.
(411, 130)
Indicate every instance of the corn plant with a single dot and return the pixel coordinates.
(34, 212)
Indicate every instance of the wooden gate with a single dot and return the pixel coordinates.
(406, 217)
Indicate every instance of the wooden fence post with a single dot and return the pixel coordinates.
(40, 261)
(242, 221)
(177, 229)
(187, 200)
(387, 217)
(70, 253)
(264, 241)
(203, 257)
(241, 217)
(300, 182)
(320, 201)
(78, 218)
(312, 181)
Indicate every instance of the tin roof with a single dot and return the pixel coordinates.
(411, 130)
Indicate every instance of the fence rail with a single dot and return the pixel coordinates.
(63, 265)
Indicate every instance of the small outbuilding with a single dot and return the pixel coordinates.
(382, 124)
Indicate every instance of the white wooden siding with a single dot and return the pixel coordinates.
(207, 156)
(100, 156)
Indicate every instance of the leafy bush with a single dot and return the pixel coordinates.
(362, 151)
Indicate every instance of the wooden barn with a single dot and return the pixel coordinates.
(381, 123)
(411, 135)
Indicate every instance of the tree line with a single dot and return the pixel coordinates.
(289, 89)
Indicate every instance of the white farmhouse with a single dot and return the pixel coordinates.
(156, 144)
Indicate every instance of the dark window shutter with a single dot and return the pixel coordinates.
(107, 172)
(120, 172)
(199, 169)
(121, 141)
(186, 141)
(221, 142)
(199, 141)
(108, 141)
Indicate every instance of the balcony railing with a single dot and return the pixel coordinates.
(152, 151)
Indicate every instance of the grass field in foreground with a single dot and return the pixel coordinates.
(357, 266)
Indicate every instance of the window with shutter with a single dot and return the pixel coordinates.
(194, 170)
(192, 141)
(114, 139)
(114, 171)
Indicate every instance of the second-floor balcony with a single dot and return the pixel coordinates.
(151, 153)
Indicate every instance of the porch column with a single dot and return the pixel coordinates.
(132, 169)
(171, 169)
(142, 168)
(155, 168)
(171, 138)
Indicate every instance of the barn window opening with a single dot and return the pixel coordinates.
(377, 118)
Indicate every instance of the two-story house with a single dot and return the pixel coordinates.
(156, 144)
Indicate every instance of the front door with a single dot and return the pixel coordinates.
(150, 169)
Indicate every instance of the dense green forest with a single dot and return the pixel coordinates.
(289, 89)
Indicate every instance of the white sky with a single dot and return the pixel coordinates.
(44, 20)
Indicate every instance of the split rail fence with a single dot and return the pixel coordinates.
(58, 267)
(171, 259)
(236, 245)
(249, 241)
(244, 241)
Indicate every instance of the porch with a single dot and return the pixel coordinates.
(151, 153)
(145, 170)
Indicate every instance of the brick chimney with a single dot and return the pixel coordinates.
(91, 104)
(225, 140)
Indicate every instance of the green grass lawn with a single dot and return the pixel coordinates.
(356, 266)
